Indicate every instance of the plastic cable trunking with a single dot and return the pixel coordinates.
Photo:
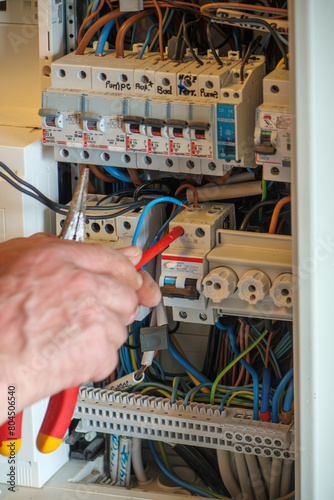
(114, 412)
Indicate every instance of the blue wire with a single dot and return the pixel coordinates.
(235, 38)
(175, 479)
(282, 341)
(116, 172)
(264, 43)
(162, 229)
(96, 3)
(179, 381)
(232, 391)
(277, 394)
(287, 349)
(248, 367)
(158, 368)
(104, 37)
(133, 35)
(168, 20)
(241, 21)
(165, 199)
(186, 365)
(288, 397)
(147, 40)
(121, 372)
(266, 382)
(251, 170)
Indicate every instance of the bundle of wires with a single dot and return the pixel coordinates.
(110, 24)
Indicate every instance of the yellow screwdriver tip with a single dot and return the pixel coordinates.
(10, 448)
(47, 444)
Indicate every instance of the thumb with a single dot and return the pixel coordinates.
(133, 253)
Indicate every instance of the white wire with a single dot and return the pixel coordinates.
(226, 473)
(137, 461)
(275, 478)
(287, 472)
(244, 480)
(255, 477)
(265, 465)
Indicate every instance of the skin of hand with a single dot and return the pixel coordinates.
(64, 308)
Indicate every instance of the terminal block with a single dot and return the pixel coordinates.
(250, 274)
(272, 139)
(118, 231)
(184, 264)
(153, 114)
(148, 417)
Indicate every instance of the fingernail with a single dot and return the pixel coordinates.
(133, 251)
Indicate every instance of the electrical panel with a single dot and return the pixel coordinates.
(206, 108)
(174, 118)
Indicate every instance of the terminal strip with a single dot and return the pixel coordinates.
(114, 412)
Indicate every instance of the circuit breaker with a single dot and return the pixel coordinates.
(184, 264)
(272, 139)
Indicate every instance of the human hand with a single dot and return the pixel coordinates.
(64, 307)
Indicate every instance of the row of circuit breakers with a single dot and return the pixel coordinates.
(168, 116)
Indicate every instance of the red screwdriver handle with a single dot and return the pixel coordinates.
(10, 436)
(57, 419)
(160, 246)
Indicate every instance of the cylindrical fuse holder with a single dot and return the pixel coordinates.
(253, 286)
(281, 291)
(219, 284)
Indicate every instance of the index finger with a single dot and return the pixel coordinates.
(94, 258)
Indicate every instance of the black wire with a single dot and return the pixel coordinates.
(211, 45)
(48, 203)
(202, 467)
(162, 181)
(54, 206)
(26, 184)
(188, 42)
(129, 346)
(122, 194)
(62, 209)
(175, 329)
(265, 203)
(264, 23)
(251, 48)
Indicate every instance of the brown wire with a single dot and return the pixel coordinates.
(127, 25)
(161, 44)
(267, 349)
(219, 180)
(133, 173)
(100, 175)
(94, 28)
(190, 186)
(89, 18)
